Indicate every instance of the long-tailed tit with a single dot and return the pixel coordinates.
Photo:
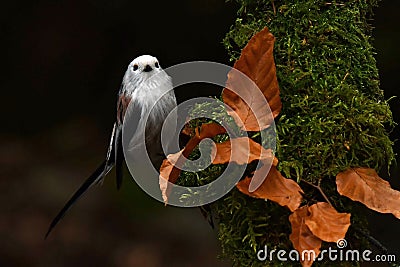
(147, 88)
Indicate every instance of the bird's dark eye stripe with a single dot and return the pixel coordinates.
(135, 67)
(156, 65)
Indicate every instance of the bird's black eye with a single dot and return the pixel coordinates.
(156, 65)
(135, 67)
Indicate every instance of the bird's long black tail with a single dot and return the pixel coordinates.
(97, 176)
(114, 157)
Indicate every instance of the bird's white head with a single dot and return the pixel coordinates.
(144, 64)
(140, 70)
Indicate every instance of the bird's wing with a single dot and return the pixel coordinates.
(118, 155)
(110, 159)
(122, 107)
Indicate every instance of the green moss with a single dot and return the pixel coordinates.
(334, 115)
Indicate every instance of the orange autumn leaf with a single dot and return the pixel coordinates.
(187, 130)
(209, 130)
(326, 223)
(302, 238)
(259, 174)
(364, 185)
(275, 187)
(246, 151)
(169, 170)
(171, 167)
(257, 63)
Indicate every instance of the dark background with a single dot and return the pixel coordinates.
(62, 63)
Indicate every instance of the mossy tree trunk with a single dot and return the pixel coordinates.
(334, 115)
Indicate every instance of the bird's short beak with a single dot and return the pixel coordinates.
(147, 68)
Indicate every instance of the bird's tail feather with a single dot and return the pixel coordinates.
(96, 176)
(114, 157)
(119, 155)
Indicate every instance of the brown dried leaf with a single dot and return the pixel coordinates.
(302, 238)
(210, 130)
(364, 185)
(259, 174)
(257, 63)
(171, 167)
(246, 150)
(326, 223)
(187, 130)
(275, 187)
(168, 169)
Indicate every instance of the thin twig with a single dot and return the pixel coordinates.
(273, 7)
(320, 190)
(371, 239)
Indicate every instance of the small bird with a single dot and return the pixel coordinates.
(147, 88)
